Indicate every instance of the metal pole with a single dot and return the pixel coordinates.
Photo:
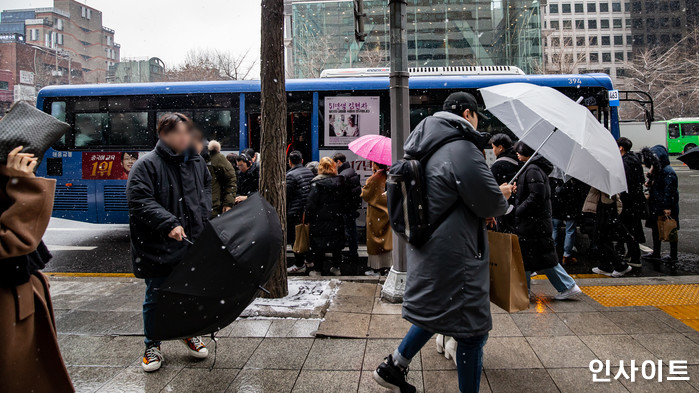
(394, 287)
(519, 172)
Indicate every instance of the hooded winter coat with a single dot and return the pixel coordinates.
(224, 182)
(325, 207)
(533, 216)
(298, 185)
(634, 201)
(447, 289)
(353, 188)
(505, 166)
(249, 182)
(663, 191)
(567, 198)
(165, 190)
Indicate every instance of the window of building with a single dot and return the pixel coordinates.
(618, 40)
(629, 39)
(629, 56)
(676, 22)
(555, 24)
(606, 40)
(83, 12)
(619, 56)
(579, 8)
(650, 23)
(59, 24)
(109, 40)
(603, 7)
(627, 6)
(89, 14)
(591, 7)
(651, 39)
(675, 5)
(604, 24)
(594, 57)
(592, 24)
(606, 57)
(567, 24)
(555, 41)
(59, 38)
(580, 41)
(580, 24)
(553, 8)
(616, 7)
(617, 24)
(34, 34)
(4, 85)
(565, 8)
(568, 41)
(638, 39)
(593, 40)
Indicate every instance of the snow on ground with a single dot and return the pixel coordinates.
(306, 299)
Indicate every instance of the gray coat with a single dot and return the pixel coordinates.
(448, 284)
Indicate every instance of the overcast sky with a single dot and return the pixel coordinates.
(169, 28)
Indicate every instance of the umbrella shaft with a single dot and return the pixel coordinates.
(533, 155)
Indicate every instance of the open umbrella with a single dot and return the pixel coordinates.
(691, 158)
(222, 273)
(561, 130)
(25, 125)
(376, 148)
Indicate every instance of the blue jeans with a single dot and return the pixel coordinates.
(569, 243)
(151, 300)
(558, 277)
(469, 356)
(351, 236)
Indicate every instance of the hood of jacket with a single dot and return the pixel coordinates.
(542, 163)
(436, 129)
(328, 181)
(661, 152)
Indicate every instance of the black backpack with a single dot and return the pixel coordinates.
(406, 188)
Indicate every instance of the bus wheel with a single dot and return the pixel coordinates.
(689, 147)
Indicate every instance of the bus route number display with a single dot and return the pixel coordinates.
(108, 165)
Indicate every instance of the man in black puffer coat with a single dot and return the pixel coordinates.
(298, 185)
(352, 190)
(634, 203)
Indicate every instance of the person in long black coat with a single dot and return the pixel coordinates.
(169, 196)
(353, 201)
(504, 169)
(663, 198)
(534, 225)
(567, 199)
(634, 204)
(325, 209)
(248, 177)
(298, 186)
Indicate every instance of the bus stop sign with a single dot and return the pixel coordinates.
(613, 97)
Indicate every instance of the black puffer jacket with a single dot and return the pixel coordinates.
(325, 207)
(634, 201)
(353, 188)
(567, 198)
(533, 216)
(505, 166)
(164, 191)
(248, 182)
(663, 187)
(298, 185)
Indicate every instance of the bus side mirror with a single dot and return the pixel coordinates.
(648, 119)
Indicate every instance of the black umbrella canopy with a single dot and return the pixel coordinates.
(221, 274)
(691, 158)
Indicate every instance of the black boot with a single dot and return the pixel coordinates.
(393, 377)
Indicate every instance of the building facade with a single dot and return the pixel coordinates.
(70, 28)
(320, 34)
(137, 71)
(663, 23)
(587, 36)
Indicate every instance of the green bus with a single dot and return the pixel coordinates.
(682, 134)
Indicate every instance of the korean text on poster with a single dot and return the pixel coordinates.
(348, 118)
(108, 165)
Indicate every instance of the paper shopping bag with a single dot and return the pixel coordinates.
(508, 282)
(302, 242)
(667, 229)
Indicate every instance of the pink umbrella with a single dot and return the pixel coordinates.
(376, 148)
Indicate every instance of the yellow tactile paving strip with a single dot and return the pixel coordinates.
(681, 301)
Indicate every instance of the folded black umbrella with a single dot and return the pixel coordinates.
(24, 125)
(222, 272)
(691, 158)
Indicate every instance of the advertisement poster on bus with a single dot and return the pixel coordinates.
(348, 118)
(108, 165)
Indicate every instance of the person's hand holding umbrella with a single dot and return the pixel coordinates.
(177, 233)
(21, 164)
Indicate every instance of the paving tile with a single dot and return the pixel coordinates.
(641, 385)
(561, 351)
(100, 350)
(368, 385)
(246, 328)
(336, 354)
(544, 324)
(579, 380)
(670, 346)
(494, 309)
(570, 305)
(617, 347)
(447, 382)
(201, 380)
(521, 380)
(356, 289)
(433, 360)
(504, 326)
(382, 307)
(355, 304)
(342, 324)
(589, 323)
(313, 381)
(509, 352)
(377, 349)
(267, 381)
(693, 371)
(388, 326)
(634, 322)
(304, 328)
(671, 321)
(90, 378)
(538, 306)
(80, 350)
(134, 379)
(280, 327)
(379, 288)
(280, 354)
(229, 353)
(694, 336)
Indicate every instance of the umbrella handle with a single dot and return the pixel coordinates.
(533, 155)
(187, 240)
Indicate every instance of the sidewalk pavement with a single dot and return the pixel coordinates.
(547, 348)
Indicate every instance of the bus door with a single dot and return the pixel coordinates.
(674, 142)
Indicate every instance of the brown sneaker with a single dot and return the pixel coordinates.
(569, 260)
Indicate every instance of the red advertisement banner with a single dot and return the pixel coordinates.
(107, 165)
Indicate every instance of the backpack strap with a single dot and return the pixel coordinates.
(508, 159)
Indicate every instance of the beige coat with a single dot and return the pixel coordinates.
(379, 238)
(30, 360)
(595, 196)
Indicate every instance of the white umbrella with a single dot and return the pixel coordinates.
(566, 133)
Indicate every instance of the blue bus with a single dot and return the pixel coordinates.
(113, 124)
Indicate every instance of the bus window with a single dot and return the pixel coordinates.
(216, 125)
(673, 131)
(690, 129)
(58, 110)
(129, 129)
(90, 129)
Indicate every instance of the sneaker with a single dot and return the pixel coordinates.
(393, 377)
(569, 260)
(296, 269)
(152, 359)
(621, 273)
(336, 271)
(636, 264)
(533, 274)
(371, 273)
(651, 255)
(568, 293)
(314, 273)
(196, 347)
(600, 271)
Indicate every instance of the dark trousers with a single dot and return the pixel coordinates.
(608, 228)
(149, 303)
(351, 236)
(291, 223)
(657, 244)
(318, 258)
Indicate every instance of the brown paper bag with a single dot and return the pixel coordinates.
(508, 282)
(303, 240)
(667, 229)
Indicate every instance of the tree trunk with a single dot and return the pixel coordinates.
(272, 170)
